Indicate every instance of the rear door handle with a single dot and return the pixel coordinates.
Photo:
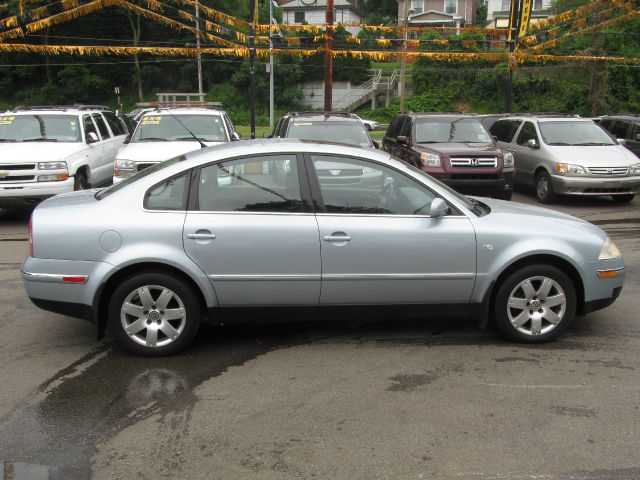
(337, 238)
(201, 236)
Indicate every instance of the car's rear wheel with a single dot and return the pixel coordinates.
(622, 198)
(535, 304)
(544, 188)
(154, 314)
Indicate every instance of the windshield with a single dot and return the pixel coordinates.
(443, 130)
(39, 128)
(574, 133)
(351, 133)
(208, 128)
(105, 192)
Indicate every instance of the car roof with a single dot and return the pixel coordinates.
(322, 116)
(184, 111)
(285, 145)
(623, 116)
(54, 111)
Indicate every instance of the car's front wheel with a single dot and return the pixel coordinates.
(154, 314)
(535, 304)
(544, 188)
(80, 181)
(622, 198)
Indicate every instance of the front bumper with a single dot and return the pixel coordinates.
(596, 185)
(601, 292)
(18, 194)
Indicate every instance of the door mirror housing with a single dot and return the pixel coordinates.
(533, 144)
(92, 137)
(622, 141)
(439, 208)
(403, 140)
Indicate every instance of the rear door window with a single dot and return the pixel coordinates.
(102, 126)
(114, 123)
(265, 183)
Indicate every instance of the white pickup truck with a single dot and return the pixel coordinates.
(45, 151)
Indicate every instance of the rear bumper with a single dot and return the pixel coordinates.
(596, 185)
(47, 284)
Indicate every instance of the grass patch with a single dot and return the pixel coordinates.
(245, 131)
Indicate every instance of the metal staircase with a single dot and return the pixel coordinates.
(363, 93)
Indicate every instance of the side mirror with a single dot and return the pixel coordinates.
(402, 139)
(127, 139)
(235, 136)
(622, 141)
(533, 144)
(376, 143)
(439, 208)
(92, 137)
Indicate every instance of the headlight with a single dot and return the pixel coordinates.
(609, 251)
(52, 166)
(57, 177)
(507, 159)
(634, 169)
(122, 164)
(429, 160)
(568, 169)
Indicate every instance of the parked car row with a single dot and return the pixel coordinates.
(88, 146)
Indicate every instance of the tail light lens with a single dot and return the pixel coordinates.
(31, 235)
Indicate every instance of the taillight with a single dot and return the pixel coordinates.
(31, 235)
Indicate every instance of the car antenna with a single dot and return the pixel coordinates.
(202, 144)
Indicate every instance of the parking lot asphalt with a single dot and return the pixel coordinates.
(348, 399)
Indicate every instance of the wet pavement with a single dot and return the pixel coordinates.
(346, 399)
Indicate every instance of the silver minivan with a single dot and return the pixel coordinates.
(561, 155)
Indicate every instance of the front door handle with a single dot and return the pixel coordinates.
(201, 236)
(337, 238)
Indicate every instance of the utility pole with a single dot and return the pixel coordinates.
(198, 46)
(403, 58)
(252, 73)
(271, 87)
(514, 23)
(328, 71)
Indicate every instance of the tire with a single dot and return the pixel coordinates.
(554, 294)
(622, 198)
(151, 332)
(544, 188)
(507, 195)
(80, 181)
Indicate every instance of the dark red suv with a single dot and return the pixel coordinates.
(454, 148)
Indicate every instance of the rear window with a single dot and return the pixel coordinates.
(350, 133)
(504, 130)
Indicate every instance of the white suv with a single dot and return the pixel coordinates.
(167, 132)
(45, 151)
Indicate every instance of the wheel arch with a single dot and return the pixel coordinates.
(101, 302)
(546, 259)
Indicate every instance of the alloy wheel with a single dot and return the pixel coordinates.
(153, 316)
(536, 305)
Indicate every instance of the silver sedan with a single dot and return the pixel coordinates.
(252, 230)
